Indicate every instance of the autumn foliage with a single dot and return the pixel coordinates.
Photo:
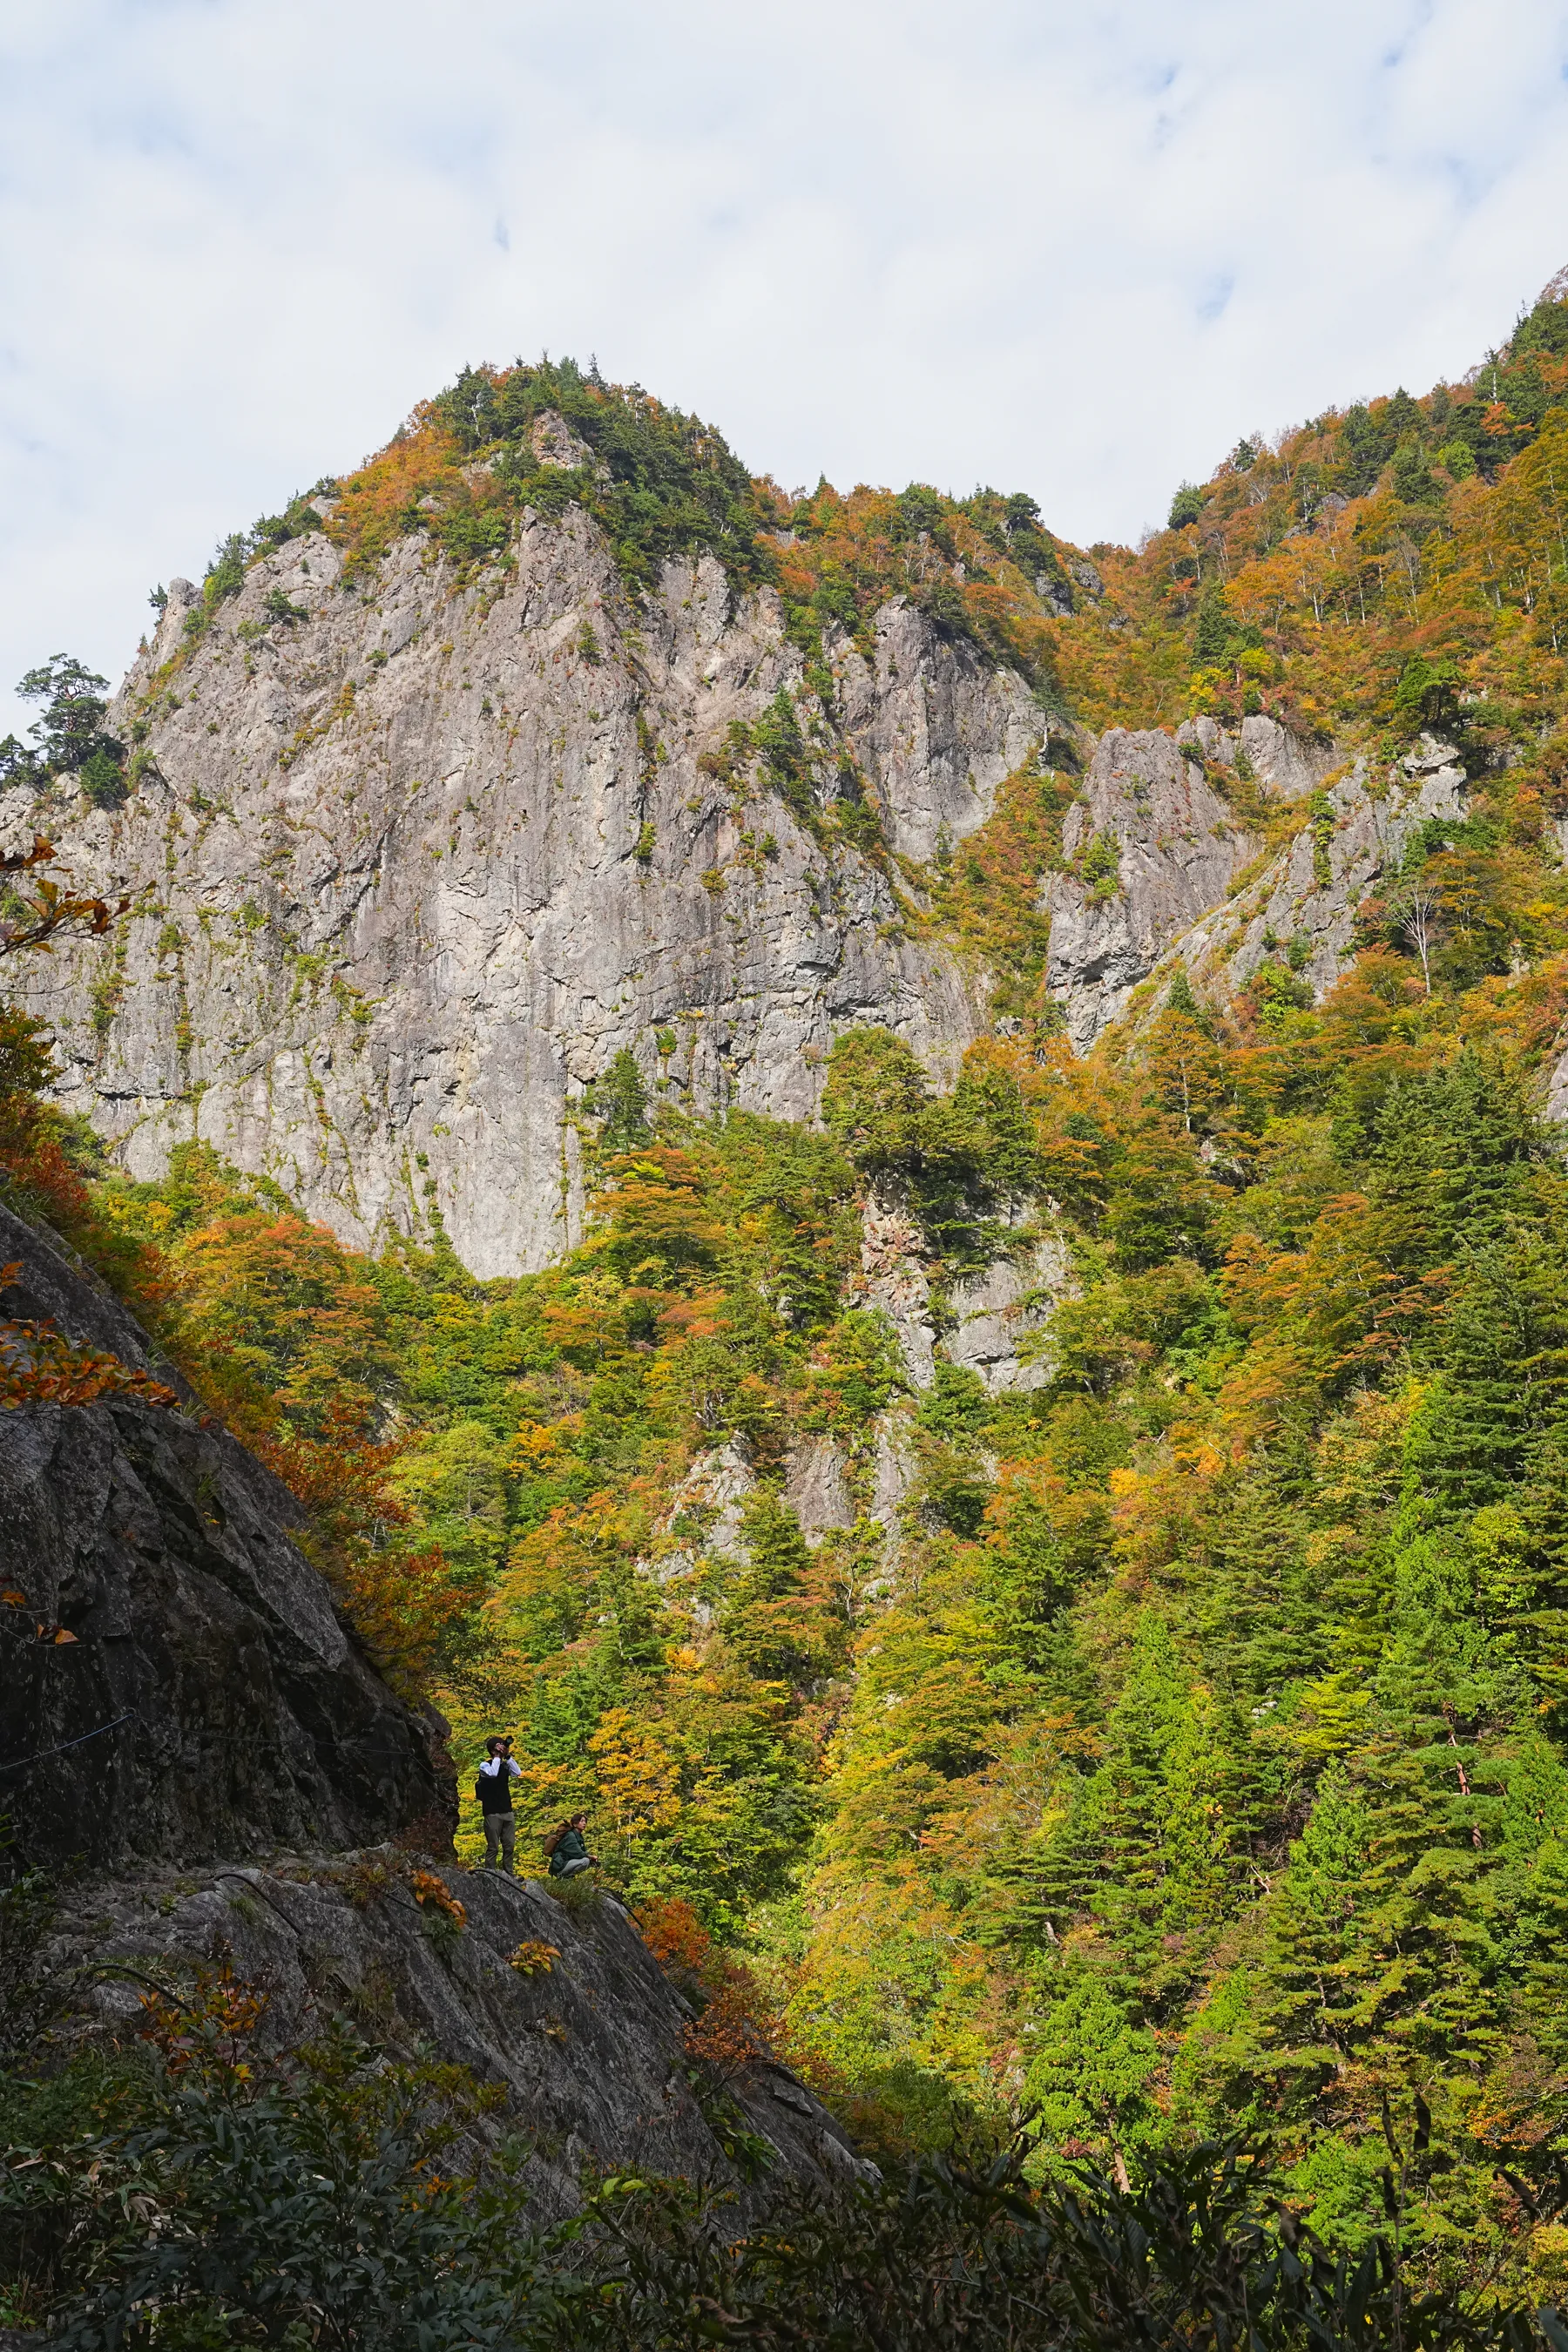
(734, 2029)
(1171, 1741)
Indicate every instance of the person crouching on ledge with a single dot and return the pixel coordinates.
(493, 1790)
(568, 1849)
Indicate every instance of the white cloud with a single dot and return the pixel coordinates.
(1077, 250)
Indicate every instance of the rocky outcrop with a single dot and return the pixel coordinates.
(1282, 762)
(1153, 847)
(702, 1523)
(894, 1469)
(1163, 874)
(177, 1681)
(410, 869)
(816, 1487)
(585, 2041)
(1001, 1317)
(893, 1280)
(1310, 893)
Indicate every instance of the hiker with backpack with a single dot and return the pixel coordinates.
(493, 1790)
(568, 1849)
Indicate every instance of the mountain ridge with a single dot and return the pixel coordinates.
(855, 678)
(648, 896)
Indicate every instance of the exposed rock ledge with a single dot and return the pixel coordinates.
(588, 2051)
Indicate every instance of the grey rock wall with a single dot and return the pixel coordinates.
(409, 872)
(1177, 849)
(816, 1487)
(209, 1700)
(1311, 892)
(587, 2052)
(1192, 888)
(1279, 760)
(893, 1280)
(1001, 1315)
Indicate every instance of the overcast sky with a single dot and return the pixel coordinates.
(1071, 248)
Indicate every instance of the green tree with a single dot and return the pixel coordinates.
(1187, 507)
(1163, 1204)
(1092, 2075)
(69, 731)
(1212, 631)
(874, 1097)
(1305, 2010)
(619, 1102)
(773, 1624)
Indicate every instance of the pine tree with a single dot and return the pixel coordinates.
(1428, 1999)
(1306, 2004)
(1455, 1153)
(1258, 1610)
(1432, 1997)
(1211, 634)
(1502, 1350)
(1543, 1954)
(1542, 1632)
(772, 1625)
(620, 1104)
(1090, 2074)
(1532, 1886)
(1154, 1837)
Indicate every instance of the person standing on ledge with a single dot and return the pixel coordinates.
(493, 1790)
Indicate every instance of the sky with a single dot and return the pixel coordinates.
(1074, 250)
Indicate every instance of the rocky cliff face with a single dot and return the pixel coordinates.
(410, 869)
(585, 2046)
(411, 866)
(1168, 848)
(1180, 880)
(177, 1683)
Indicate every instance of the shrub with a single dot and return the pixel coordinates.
(102, 780)
(874, 1096)
(1185, 507)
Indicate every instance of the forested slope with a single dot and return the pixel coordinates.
(1152, 1719)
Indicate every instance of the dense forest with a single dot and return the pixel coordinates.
(1191, 1754)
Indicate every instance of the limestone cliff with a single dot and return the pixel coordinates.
(409, 868)
(414, 852)
(1183, 881)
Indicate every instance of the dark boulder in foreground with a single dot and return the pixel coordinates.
(209, 1700)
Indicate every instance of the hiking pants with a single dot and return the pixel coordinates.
(500, 1836)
